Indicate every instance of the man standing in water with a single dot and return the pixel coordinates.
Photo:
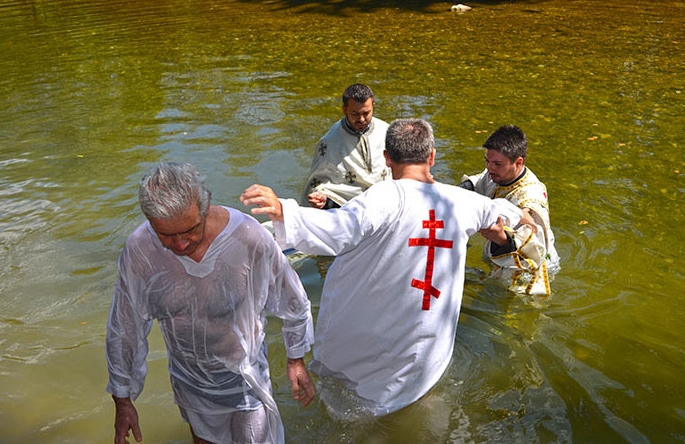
(208, 274)
(349, 157)
(391, 299)
(527, 269)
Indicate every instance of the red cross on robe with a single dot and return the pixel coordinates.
(431, 242)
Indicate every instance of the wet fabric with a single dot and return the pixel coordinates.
(531, 267)
(523, 270)
(242, 427)
(346, 163)
(391, 299)
(212, 316)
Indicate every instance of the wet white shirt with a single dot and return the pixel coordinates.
(212, 315)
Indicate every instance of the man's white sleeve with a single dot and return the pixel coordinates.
(319, 232)
(126, 342)
(509, 212)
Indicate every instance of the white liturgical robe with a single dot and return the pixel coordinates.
(530, 268)
(212, 315)
(391, 300)
(346, 163)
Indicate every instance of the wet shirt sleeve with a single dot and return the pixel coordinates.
(127, 331)
(287, 300)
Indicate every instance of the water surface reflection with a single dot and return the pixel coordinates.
(94, 92)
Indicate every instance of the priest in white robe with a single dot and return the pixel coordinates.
(349, 157)
(530, 267)
(391, 299)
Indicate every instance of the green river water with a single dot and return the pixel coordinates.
(94, 92)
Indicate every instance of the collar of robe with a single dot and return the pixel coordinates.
(346, 125)
(523, 173)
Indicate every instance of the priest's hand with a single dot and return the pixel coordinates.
(317, 199)
(527, 219)
(266, 200)
(495, 233)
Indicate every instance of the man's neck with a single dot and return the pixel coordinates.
(420, 173)
(518, 177)
(217, 219)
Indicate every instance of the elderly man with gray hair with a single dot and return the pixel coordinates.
(208, 274)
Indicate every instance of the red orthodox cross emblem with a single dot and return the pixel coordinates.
(431, 242)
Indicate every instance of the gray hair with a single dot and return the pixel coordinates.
(509, 140)
(169, 189)
(409, 141)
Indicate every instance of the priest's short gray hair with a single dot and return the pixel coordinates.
(409, 141)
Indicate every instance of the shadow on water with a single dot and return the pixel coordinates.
(348, 7)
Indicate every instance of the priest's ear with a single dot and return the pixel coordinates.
(519, 162)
